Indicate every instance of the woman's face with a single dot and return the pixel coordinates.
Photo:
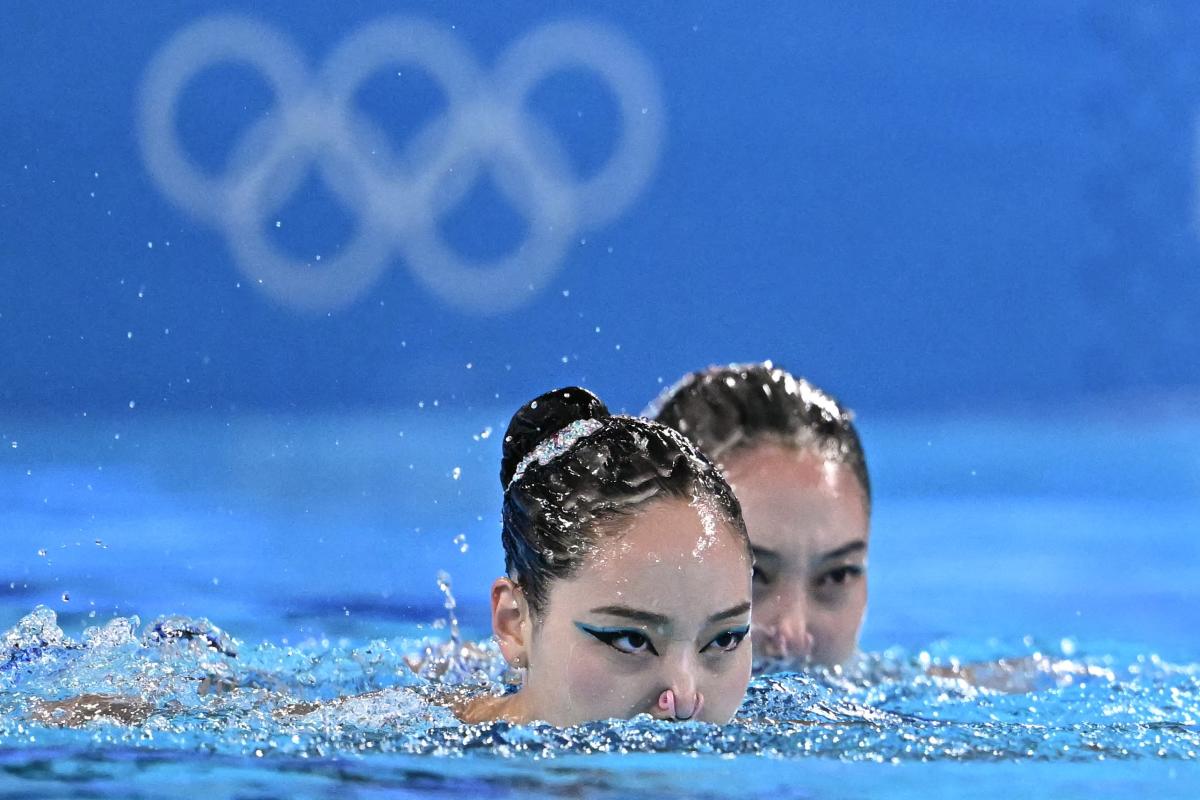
(808, 524)
(662, 606)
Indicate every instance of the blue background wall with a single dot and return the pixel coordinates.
(944, 213)
(918, 205)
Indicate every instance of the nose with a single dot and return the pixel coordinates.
(787, 635)
(679, 708)
(792, 640)
(682, 699)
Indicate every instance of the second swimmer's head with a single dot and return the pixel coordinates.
(793, 455)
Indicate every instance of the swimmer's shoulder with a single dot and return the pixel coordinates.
(486, 708)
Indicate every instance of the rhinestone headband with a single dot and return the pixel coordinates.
(551, 448)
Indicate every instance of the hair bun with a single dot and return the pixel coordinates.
(544, 416)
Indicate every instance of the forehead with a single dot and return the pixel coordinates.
(673, 557)
(796, 498)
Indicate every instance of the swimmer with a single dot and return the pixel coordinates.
(795, 461)
(627, 587)
(628, 584)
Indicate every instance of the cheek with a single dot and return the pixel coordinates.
(594, 682)
(835, 633)
(843, 617)
(727, 688)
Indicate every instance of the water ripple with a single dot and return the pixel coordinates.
(186, 685)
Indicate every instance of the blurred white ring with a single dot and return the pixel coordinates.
(399, 198)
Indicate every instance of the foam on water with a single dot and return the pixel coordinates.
(190, 687)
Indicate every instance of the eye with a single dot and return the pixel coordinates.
(630, 641)
(840, 576)
(759, 576)
(728, 641)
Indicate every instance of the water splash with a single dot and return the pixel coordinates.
(199, 690)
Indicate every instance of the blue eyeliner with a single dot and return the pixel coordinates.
(610, 636)
(739, 635)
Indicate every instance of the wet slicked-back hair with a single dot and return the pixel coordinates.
(554, 512)
(726, 408)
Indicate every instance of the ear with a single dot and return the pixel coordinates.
(511, 621)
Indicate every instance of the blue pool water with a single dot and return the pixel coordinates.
(314, 543)
(274, 275)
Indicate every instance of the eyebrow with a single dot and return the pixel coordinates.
(647, 617)
(736, 611)
(850, 547)
(650, 618)
(837, 552)
(763, 551)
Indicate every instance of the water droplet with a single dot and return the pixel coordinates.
(456, 473)
(461, 541)
(42, 552)
(66, 597)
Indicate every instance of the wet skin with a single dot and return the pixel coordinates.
(655, 621)
(809, 526)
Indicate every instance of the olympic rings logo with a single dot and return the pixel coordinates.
(398, 198)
